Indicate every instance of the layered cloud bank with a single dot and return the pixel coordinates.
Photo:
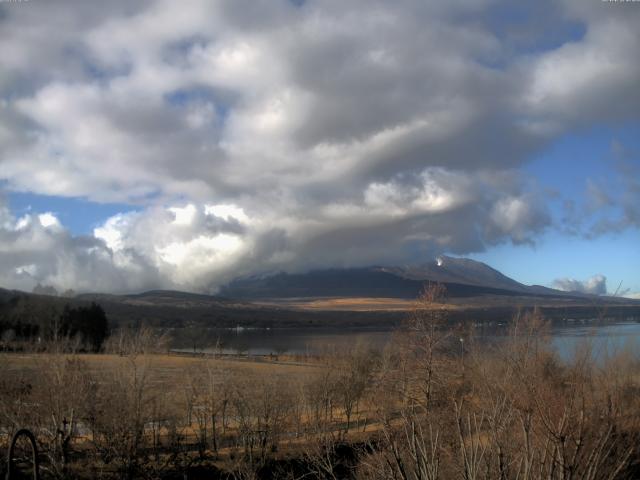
(260, 135)
(199, 247)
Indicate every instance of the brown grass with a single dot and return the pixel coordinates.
(169, 367)
(355, 304)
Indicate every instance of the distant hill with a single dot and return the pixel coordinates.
(167, 298)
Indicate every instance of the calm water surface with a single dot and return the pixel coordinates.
(603, 340)
(566, 339)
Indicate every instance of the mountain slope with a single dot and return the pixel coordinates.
(465, 271)
(462, 278)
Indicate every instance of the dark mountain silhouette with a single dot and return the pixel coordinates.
(465, 271)
(353, 282)
(462, 277)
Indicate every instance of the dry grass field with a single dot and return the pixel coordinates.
(351, 304)
(427, 407)
(122, 408)
(167, 369)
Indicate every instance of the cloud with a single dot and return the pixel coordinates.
(163, 99)
(257, 135)
(614, 207)
(191, 247)
(596, 285)
(37, 249)
(199, 247)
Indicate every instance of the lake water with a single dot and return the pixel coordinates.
(604, 339)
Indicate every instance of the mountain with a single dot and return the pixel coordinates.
(464, 271)
(462, 277)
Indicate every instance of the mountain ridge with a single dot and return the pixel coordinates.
(462, 277)
(465, 279)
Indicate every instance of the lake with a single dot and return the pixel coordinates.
(565, 338)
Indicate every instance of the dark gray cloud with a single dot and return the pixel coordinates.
(258, 135)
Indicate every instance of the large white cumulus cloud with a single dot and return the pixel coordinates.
(192, 247)
(596, 285)
(259, 135)
(189, 247)
(36, 248)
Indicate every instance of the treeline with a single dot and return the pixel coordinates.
(39, 320)
(433, 405)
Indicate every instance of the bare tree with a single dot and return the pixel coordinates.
(62, 395)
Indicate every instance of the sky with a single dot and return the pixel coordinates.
(164, 144)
